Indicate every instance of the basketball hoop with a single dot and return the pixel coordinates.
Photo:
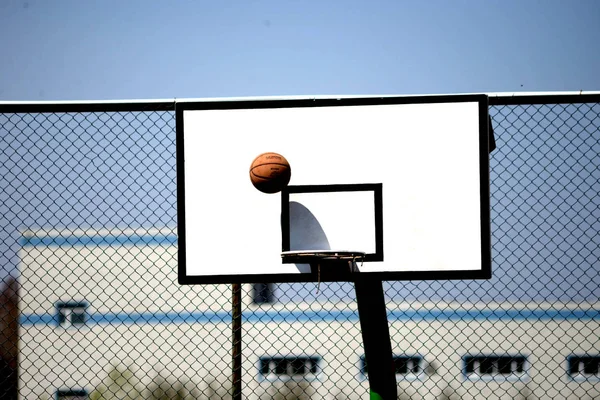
(336, 263)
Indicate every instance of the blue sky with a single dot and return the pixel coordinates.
(84, 50)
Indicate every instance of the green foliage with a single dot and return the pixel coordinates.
(163, 389)
(121, 383)
(290, 390)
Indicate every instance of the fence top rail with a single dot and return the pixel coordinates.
(496, 98)
(86, 106)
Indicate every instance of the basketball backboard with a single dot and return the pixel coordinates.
(403, 179)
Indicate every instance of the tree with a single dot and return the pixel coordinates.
(121, 383)
(165, 389)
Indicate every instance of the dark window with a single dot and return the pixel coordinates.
(584, 367)
(403, 365)
(71, 313)
(298, 366)
(291, 367)
(265, 368)
(263, 293)
(494, 366)
(71, 394)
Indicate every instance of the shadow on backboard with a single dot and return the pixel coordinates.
(306, 233)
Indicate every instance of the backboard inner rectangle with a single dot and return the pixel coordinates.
(333, 217)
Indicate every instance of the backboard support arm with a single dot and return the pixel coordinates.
(376, 339)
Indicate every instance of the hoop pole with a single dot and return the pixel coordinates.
(376, 338)
(236, 341)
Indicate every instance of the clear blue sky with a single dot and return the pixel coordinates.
(83, 50)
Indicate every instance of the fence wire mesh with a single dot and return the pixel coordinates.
(91, 307)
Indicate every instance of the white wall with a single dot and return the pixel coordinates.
(143, 279)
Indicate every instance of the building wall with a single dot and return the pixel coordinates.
(140, 318)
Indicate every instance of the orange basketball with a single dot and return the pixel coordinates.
(270, 172)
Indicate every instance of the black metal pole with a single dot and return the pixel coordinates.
(376, 338)
(236, 336)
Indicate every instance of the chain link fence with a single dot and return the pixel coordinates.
(91, 307)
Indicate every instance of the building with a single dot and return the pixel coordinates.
(95, 302)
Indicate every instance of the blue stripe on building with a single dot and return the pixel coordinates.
(99, 240)
(210, 317)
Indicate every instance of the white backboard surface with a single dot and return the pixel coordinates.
(430, 155)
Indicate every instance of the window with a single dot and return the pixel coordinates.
(495, 367)
(584, 367)
(263, 293)
(406, 367)
(71, 394)
(71, 314)
(291, 367)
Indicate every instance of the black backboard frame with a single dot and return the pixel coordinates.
(484, 272)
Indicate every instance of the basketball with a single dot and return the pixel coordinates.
(270, 172)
